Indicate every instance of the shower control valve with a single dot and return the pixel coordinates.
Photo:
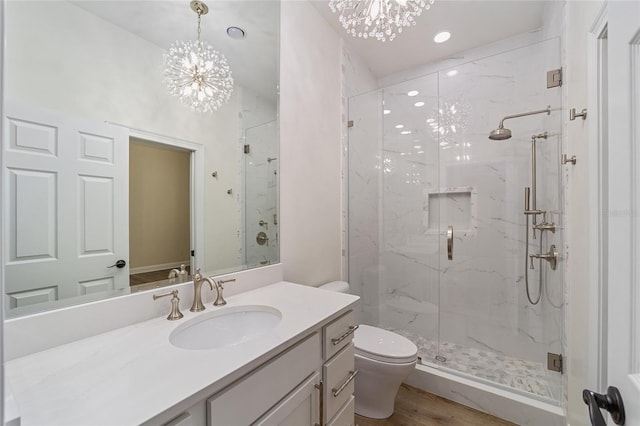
(546, 227)
(551, 257)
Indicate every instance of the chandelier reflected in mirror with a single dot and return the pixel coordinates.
(380, 19)
(197, 73)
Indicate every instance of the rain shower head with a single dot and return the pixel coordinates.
(501, 133)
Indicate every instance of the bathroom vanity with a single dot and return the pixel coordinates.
(300, 371)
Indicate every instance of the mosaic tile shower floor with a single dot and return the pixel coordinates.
(517, 373)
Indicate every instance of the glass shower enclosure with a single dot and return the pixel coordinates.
(437, 234)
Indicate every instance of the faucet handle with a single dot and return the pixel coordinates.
(220, 299)
(220, 282)
(197, 276)
(175, 313)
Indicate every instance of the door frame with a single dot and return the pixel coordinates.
(196, 184)
(598, 201)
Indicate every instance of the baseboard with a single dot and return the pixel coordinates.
(160, 267)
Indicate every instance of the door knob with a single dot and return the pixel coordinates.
(611, 401)
(119, 264)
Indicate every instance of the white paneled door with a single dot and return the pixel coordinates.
(623, 215)
(66, 202)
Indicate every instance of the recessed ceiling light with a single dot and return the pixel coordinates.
(419, 104)
(387, 111)
(236, 33)
(413, 93)
(452, 73)
(399, 126)
(405, 132)
(417, 146)
(442, 37)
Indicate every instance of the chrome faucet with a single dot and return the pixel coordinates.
(198, 279)
(551, 257)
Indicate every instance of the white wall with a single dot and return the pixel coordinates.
(310, 134)
(61, 57)
(2, 397)
(580, 15)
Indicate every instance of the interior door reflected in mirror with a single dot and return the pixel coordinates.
(106, 167)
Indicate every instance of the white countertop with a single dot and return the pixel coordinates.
(132, 374)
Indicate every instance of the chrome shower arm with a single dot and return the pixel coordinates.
(524, 114)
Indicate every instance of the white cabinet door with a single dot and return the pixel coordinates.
(299, 408)
(66, 202)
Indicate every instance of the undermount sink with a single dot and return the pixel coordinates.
(226, 327)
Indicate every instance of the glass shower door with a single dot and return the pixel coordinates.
(261, 195)
(421, 166)
(409, 255)
(488, 329)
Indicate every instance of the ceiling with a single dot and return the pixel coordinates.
(472, 23)
(253, 61)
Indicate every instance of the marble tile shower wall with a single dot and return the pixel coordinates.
(478, 299)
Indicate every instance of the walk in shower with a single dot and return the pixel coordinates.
(421, 167)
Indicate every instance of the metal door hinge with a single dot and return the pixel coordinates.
(247, 149)
(554, 78)
(554, 362)
(350, 123)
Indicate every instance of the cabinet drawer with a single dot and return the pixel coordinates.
(346, 416)
(246, 400)
(339, 334)
(339, 373)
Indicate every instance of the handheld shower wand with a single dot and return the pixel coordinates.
(530, 207)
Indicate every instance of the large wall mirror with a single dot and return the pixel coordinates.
(111, 184)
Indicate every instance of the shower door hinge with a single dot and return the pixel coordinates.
(554, 362)
(554, 78)
(350, 123)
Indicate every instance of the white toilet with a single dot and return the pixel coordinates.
(384, 359)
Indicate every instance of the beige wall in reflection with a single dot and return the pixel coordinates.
(159, 213)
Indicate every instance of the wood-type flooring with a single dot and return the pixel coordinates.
(415, 407)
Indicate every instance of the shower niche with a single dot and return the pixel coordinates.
(460, 204)
(424, 181)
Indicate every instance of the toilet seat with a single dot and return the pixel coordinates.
(383, 345)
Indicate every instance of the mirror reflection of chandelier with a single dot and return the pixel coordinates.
(196, 73)
(381, 19)
(452, 120)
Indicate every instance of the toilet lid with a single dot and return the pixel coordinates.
(383, 345)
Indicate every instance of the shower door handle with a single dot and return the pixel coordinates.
(450, 242)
